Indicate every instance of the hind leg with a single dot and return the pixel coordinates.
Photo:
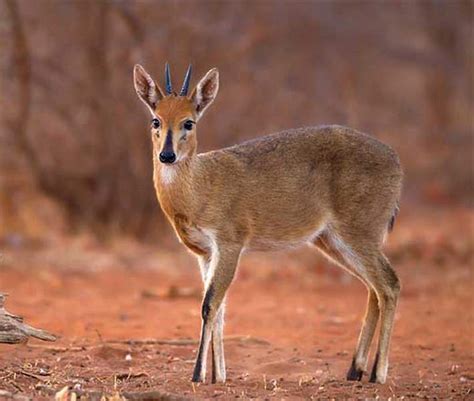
(359, 361)
(371, 265)
(388, 290)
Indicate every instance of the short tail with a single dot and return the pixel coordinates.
(391, 223)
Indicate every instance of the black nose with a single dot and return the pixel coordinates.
(167, 157)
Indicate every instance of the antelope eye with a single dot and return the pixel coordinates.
(155, 123)
(188, 125)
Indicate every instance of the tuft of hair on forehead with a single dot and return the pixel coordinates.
(173, 107)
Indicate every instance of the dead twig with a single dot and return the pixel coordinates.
(13, 330)
(29, 374)
(130, 375)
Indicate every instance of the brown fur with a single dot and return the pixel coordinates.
(281, 188)
(329, 185)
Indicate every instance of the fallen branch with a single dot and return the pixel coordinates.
(13, 330)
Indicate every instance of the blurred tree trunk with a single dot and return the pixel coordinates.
(22, 68)
(110, 201)
(444, 131)
(443, 35)
(95, 44)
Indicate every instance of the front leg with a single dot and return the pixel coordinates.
(217, 346)
(221, 271)
(217, 340)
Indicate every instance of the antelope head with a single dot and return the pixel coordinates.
(174, 116)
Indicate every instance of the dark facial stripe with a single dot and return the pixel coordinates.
(168, 146)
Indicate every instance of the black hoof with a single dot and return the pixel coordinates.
(197, 369)
(354, 374)
(196, 379)
(196, 376)
(373, 375)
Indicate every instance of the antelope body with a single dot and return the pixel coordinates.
(329, 186)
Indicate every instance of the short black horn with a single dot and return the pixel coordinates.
(187, 79)
(169, 88)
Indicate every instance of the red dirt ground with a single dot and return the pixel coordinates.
(292, 321)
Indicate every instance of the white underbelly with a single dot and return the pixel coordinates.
(205, 238)
(272, 244)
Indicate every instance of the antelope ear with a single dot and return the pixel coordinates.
(205, 92)
(147, 90)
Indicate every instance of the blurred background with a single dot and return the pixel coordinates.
(75, 152)
(86, 253)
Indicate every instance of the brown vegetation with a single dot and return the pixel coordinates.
(73, 130)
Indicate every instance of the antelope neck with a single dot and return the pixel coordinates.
(174, 183)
